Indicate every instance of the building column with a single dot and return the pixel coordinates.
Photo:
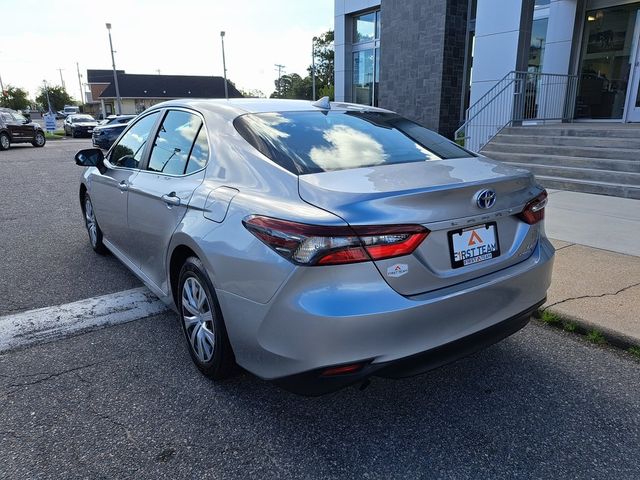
(502, 44)
(502, 41)
(422, 53)
(553, 91)
(102, 107)
(342, 49)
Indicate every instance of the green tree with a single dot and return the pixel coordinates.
(15, 98)
(58, 96)
(293, 86)
(324, 62)
(252, 93)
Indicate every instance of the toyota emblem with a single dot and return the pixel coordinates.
(485, 198)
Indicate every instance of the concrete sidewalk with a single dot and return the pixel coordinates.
(597, 288)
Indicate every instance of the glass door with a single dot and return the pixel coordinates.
(633, 103)
(605, 67)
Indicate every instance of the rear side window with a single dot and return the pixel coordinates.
(128, 151)
(312, 142)
(174, 144)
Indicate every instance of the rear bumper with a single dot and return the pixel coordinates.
(344, 314)
(314, 383)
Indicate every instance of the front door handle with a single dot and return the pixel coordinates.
(123, 186)
(171, 199)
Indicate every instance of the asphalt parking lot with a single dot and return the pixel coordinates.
(127, 402)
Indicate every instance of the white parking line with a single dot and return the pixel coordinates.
(49, 323)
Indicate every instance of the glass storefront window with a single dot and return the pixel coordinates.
(604, 66)
(364, 28)
(363, 77)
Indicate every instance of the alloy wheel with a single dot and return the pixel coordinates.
(39, 139)
(198, 319)
(90, 219)
(4, 141)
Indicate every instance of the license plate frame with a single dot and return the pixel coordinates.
(482, 257)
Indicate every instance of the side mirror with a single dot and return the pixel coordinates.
(91, 157)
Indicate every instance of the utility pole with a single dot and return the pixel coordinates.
(280, 68)
(80, 84)
(115, 75)
(61, 79)
(224, 68)
(313, 67)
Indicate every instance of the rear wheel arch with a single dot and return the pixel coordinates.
(82, 193)
(178, 257)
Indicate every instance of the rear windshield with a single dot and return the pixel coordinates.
(82, 119)
(312, 142)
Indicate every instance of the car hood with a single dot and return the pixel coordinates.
(85, 124)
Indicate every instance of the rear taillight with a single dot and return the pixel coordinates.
(305, 244)
(534, 210)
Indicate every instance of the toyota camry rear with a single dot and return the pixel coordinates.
(327, 243)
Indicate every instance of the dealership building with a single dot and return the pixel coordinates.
(140, 91)
(432, 59)
(474, 69)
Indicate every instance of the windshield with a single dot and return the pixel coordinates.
(312, 142)
(82, 119)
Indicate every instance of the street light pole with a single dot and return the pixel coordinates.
(46, 89)
(313, 67)
(115, 75)
(80, 84)
(224, 68)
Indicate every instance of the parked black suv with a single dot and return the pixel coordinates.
(15, 128)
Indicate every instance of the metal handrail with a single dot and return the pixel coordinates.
(517, 97)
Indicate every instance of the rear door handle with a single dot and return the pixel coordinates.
(123, 186)
(171, 199)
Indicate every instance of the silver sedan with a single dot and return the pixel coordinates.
(318, 244)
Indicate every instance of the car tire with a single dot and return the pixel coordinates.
(73, 133)
(93, 229)
(66, 133)
(5, 141)
(202, 322)
(39, 140)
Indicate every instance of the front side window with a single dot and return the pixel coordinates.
(313, 142)
(128, 152)
(174, 142)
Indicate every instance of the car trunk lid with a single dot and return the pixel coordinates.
(442, 196)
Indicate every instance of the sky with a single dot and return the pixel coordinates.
(179, 37)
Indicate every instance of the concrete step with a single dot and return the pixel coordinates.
(535, 149)
(582, 130)
(631, 166)
(600, 176)
(586, 186)
(570, 141)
